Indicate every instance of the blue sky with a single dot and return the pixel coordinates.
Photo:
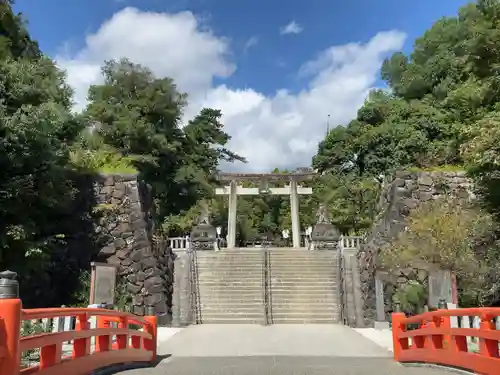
(256, 57)
(273, 61)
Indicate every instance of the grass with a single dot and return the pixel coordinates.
(104, 161)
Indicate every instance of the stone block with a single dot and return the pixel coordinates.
(108, 250)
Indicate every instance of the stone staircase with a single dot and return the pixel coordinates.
(229, 286)
(272, 286)
(303, 286)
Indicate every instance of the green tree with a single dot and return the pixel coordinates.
(139, 115)
(15, 41)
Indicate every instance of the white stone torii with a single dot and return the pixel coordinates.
(293, 190)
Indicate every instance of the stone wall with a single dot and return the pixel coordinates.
(399, 196)
(125, 239)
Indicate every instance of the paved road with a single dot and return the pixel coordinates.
(275, 350)
(282, 365)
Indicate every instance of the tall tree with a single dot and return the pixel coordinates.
(140, 116)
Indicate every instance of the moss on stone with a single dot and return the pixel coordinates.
(440, 168)
(104, 160)
(105, 207)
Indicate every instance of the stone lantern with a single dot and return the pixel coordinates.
(204, 234)
(324, 236)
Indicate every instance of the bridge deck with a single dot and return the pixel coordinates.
(275, 350)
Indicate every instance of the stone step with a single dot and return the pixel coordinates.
(304, 291)
(331, 320)
(275, 255)
(206, 281)
(304, 309)
(239, 284)
(313, 257)
(213, 292)
(223, 276)
(303, 298)
(303, 287)
(216, 310)
(228, 283)
(232, 295)
(230, 259)
(230, 278)
(228, 268)
(305, 315)
(296, 279)
(218, 294)
(232, 292)
(234, 303)
(287, 284)
(303, 280)
(279, 258)
(224, 320)
(233, 263)
(231, 301)
(313, 300)
(319, 270)
(233, 315)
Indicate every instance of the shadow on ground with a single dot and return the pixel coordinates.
(282, 365)
(137, 366)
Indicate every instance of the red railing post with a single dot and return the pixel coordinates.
(81, 347)
(152, 329)
(399, 344)
(487, 347)
(10, 323)
(103, 342)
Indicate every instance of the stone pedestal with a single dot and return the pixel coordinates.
(325, 236)
(204, 237)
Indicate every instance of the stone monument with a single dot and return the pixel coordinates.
(102, 283)
(204, 234)
(324, 234)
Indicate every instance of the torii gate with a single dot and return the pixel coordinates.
(293, 190)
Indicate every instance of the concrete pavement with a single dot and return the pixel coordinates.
(286, 349)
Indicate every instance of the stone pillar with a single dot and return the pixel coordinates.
(182, 298)
(231, 217)
(379, 298)
(294, 208)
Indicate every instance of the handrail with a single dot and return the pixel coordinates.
(131, 345)
(264, 286)
(435, 341)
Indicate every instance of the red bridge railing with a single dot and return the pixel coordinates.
(130, 345)
(433, 340)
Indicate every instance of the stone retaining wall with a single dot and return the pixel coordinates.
(405, 192)
(125, 239)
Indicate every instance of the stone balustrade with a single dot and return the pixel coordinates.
(182, 243)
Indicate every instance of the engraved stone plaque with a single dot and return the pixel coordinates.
(103, 283)
(440, 287)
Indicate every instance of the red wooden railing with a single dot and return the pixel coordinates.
(435, 342)
(131, 345)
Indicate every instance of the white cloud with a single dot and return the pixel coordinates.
(292, 28)
(169, 44)
(251, 42)
(282, 130)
